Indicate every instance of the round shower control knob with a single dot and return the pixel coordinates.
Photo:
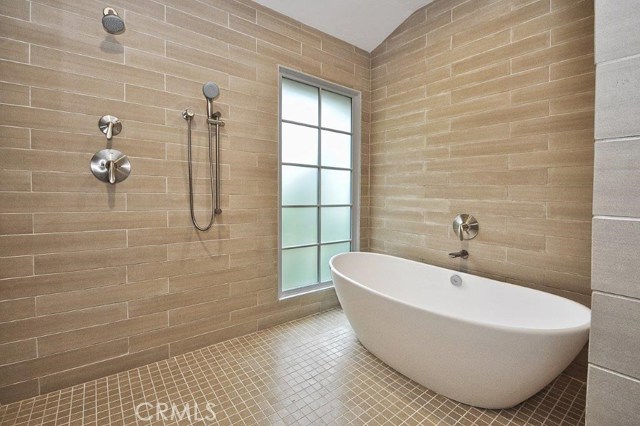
(110, 165)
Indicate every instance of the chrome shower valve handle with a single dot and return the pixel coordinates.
(110, 126)
(112, 171)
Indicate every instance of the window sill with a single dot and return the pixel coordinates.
(305, 290)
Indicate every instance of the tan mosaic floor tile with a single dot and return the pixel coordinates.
(308, 372)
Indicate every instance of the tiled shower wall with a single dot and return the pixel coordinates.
(97, 279)
(486, 108)
(614, 353)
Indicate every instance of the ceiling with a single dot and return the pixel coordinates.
(363, 23)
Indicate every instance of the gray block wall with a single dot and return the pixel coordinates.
(613, 390)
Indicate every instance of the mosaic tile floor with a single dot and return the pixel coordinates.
(308, 372)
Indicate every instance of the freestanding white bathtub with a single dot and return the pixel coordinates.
(482, 342)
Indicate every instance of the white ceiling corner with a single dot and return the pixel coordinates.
(363, 23)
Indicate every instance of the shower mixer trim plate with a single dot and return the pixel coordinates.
(110, 166)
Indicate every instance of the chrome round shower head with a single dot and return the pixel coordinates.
(210, 90)
(112, 23)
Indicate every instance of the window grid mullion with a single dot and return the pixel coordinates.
(319, 194)
(314, 205)
(329, 243)
(318, 127)
(311, 166)
(300, 246)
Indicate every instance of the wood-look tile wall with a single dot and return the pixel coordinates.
(97, 279)
(487, 108)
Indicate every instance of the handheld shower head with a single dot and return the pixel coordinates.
(111, 21)
(210, 91)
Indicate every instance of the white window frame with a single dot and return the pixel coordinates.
(356, 111)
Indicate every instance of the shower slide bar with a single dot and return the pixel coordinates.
(210, 91)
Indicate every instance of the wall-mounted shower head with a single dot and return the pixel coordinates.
(210, 91)
(111, 21)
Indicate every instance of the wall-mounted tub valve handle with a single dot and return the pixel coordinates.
(110, 126)
(465, 226)
(110, 165)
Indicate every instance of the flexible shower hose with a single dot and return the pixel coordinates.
(211, 176)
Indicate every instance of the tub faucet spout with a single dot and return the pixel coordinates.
(462, 253)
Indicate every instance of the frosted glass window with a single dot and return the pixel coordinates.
(299, 185)
(336, 149)
(299, 267)
(335, 224)
(299, 144)
(326, 253)
(299, 226)
(336, 187)
(318, 171)
(299, 102)
(336, 111)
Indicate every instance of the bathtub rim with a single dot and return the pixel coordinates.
(500, 327)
